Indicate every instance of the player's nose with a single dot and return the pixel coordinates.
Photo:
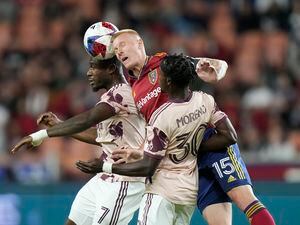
(89, 73)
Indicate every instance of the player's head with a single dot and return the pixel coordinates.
(129, 48)
(177, 72)
(101, 73)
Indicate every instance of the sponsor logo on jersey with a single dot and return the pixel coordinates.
(152, 76)
(230, 179)
(149, 96)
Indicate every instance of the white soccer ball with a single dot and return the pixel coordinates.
(97, 40)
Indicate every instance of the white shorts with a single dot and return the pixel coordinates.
(155, 210)
(102, 202)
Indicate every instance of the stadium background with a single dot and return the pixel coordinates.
(43, 66)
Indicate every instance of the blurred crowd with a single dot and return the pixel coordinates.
(43, 68)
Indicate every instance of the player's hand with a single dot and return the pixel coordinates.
(93, 166)
(206, 72)
(48, 119)
(125, 155)
(26, 141)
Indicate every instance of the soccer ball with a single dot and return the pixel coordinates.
(97, 40)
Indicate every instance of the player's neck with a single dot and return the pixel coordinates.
(179, 95)
(137, 70)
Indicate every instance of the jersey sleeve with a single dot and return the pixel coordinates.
(156, 142)
(120, 98)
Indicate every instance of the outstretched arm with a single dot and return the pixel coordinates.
(82, 121)
(74, 125)
(224, 137)
(142, 168)
(49, 119)
(88, 136)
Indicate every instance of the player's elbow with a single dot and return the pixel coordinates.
(230, 132)
(232, 137)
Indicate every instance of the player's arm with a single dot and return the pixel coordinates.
(88, 136)
(49, 119)
(224, 137)
(209, 70)
(142, 168)
(72, 126)
(83, 121)
(154, 151)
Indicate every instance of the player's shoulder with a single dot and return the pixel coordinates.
(160, 112)
(118, 92)
(160, 54)
(205, 96)
(120, 87)
(157, 58)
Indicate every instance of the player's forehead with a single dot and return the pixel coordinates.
(125, 37)
(96, 62)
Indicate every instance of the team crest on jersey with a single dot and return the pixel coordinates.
(152, 76)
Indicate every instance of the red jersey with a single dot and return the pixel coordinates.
(146, 90)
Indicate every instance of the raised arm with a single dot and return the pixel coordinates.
(209, 70)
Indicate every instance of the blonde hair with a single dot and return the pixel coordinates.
(124, 31)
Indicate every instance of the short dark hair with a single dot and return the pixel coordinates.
(105, 63)
(179, 69)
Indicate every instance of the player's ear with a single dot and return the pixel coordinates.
(140, 43)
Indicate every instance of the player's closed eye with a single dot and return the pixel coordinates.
(122, 44)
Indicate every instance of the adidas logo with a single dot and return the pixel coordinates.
(231, 179)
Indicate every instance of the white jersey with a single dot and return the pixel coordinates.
(174, 135)
(126, 128)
